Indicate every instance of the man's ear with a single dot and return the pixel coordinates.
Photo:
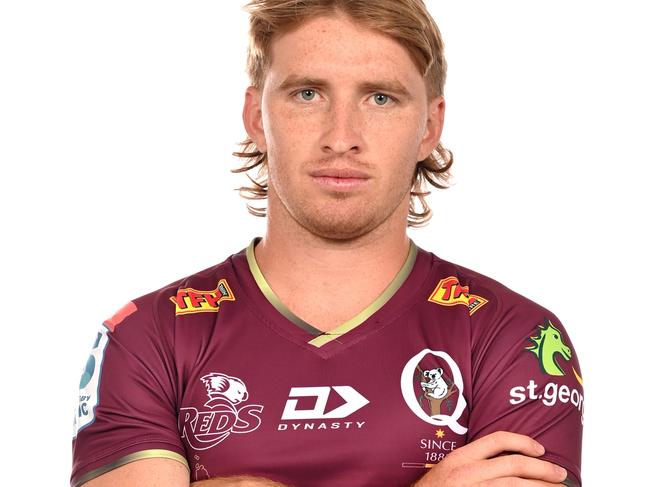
(435, 122)
(252, 116)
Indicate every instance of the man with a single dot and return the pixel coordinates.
(333, 351)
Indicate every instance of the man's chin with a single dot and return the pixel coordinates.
(339, 227)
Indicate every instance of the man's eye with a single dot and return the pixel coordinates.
(381, 99)
(307, 95)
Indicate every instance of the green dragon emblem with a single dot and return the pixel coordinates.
(546, 345)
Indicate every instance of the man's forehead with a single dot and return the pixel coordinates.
(335, 47)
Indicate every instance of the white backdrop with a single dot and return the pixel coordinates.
(117, 120)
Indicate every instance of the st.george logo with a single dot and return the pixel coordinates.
(553, 355)
(547, 346)
(225, 414)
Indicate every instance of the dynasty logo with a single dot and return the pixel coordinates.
(189, 300)
(297, 416)
(225, 414)
(449, 292)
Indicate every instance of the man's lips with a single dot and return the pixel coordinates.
(339, 173)
(344, 179)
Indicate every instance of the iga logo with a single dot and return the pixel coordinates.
(205, 429)
(428, 389)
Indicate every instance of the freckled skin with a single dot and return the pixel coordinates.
(342, 125)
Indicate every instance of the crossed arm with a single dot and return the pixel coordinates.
(478, 463)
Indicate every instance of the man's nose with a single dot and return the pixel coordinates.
(342, 128)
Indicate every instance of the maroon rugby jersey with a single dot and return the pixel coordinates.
(215, 372)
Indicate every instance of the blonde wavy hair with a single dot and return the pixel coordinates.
(406, 21)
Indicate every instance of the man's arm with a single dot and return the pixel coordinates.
(482, 461)
(472, 464)
(162, 472)
(469, 465)
(150, 472)
(127, 414)
(526, 379)
(238, 481)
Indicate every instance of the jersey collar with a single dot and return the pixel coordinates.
(322, 338)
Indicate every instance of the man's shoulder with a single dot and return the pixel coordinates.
(202, 291)
(502, 320)
(481, 290)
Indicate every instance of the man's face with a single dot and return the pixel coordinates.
(344, 118)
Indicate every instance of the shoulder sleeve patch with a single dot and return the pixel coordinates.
(189, 300)
(449, 292)
(89, 384)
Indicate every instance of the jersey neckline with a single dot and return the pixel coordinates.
(322, 338)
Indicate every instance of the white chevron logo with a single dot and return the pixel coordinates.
(353, 402)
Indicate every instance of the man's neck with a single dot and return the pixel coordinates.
(301, 268)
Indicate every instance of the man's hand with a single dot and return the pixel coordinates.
(477, 464)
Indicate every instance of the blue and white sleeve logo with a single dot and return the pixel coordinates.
(89, 384)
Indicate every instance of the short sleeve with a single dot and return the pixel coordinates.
(527, 380)
(127, 395)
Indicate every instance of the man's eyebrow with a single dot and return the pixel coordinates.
(293, 81)
(389, 85)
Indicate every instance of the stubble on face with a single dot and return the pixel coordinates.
(342, 216)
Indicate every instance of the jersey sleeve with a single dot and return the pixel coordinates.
(127, 394)
(527, 379)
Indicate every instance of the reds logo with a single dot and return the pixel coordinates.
(449, 292)
(205, 429)
(189, 300)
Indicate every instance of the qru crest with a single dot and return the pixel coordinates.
(431, 383)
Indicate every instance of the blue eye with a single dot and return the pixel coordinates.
(381, 99)
(308, 95)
